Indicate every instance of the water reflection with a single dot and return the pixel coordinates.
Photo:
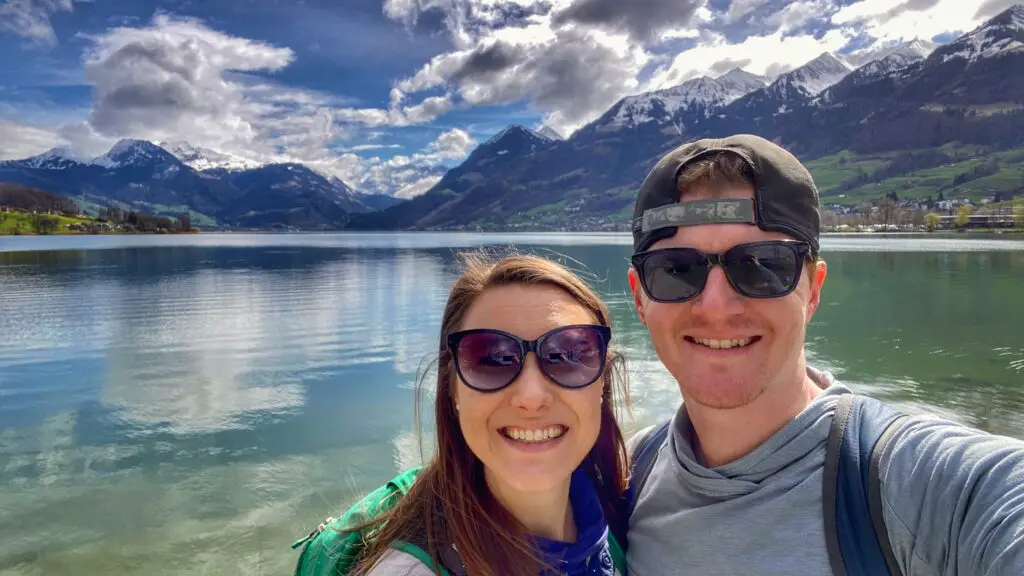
(194, 407)
(931, 330)
(148, 394)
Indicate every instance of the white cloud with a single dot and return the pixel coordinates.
(418, 187)
(19, 141)
(764, 54)
(176, 79)
(430, 109)
(402, 175)
(179, 80)
(881, 20)
(364, 147)
(31, 18)
(797, 14)
(452, 145)
(740, 8)
(572, 71)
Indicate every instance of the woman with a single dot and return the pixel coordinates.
(530, 469)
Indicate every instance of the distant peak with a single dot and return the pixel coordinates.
(742, 78)
(129, 151)
(1012, 17)
(58, 152)
(1017, 10)
(126, 144)
(737, 72)
(549, 132)
(58, 156)
(513, 130)
(997, 36)
(200, 159)
(828, 59)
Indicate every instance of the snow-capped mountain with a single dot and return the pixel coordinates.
(404, 181)
(791, 90)
(130, 152)
(200, 159)
(143, 175)
(896, 58)
(893, 61)
(58, 158)
(910, 48)
(518, 134)
(1002, 34)
(739, 81)
(813, 77)
(699, 98)
(549, 132)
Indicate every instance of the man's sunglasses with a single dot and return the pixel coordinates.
(488, 360)
(768, 269)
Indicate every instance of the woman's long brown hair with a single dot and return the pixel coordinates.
(450, 502)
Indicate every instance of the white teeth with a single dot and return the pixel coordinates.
(734, 343)
(541, 435)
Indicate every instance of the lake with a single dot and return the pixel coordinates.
(193, 404)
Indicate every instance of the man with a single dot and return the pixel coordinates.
(737, 486)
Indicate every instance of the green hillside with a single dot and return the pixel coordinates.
(955, 171)
(970, 172)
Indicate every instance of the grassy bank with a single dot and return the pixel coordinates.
(24, 224)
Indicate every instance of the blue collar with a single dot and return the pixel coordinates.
(591, 526)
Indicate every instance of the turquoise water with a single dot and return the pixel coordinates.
(191, 404)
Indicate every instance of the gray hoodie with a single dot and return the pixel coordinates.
(953, 501)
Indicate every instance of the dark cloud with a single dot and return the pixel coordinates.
(778, 68)
(723, 66)
(463, 19)
(575, 76)
(643, 20)
(744, 18)
(487, 60)
(138, 79)
(907, 6)
(993, 7)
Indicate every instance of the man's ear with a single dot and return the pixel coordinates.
(818, 272)
(638, 293)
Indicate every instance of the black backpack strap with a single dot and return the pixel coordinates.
(875, 494)
(642, 461)
(855, 534)
(830, 481)
(451, 562)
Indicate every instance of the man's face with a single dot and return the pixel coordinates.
(685, 334)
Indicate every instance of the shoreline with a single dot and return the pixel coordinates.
(866, 233)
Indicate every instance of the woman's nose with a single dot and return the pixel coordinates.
(532, 390)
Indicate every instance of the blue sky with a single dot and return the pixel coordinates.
(381, 92)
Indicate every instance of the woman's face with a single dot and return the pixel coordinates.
(532, 434)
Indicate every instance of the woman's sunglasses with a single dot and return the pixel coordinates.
(768, 269)
(488, 360)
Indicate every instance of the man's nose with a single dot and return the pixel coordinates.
(719, 298)
(532, 390)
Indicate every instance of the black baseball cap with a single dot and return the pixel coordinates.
(785, 197)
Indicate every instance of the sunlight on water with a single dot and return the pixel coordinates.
(177, 404)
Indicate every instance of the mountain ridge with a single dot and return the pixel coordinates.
(906, 101)
(910, 96)
(140, 173)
